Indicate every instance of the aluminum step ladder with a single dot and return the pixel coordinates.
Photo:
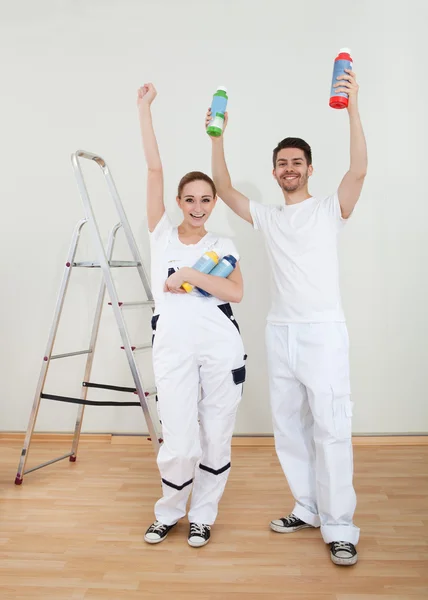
(105, 263)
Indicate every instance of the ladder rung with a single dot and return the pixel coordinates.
(124, 263)
(86, 402)
(141, 347)
(54, 356)
(112, 263)
(129, 304)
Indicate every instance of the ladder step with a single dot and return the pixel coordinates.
(112, 263)
(86, 402)
(130, 304)
(141, 347)
(54, 356)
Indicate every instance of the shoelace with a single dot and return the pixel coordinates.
(199, 529)
(291, 519)
(157, 527)
(342, 546)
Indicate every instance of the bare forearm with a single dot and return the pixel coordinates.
(230, 196)
(358, 162)
(219, 168)
(220, 287)
(150, 145)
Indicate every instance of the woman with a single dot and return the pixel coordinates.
(198, 354)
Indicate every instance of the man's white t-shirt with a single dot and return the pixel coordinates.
(301, 241)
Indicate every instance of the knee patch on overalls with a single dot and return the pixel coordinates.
(214, 471)
(175, 486)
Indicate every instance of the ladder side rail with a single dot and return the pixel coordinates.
(48, 350)
(92, 345)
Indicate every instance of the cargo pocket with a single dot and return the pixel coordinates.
(342, 411)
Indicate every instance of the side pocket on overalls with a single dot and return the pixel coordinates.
(239, 375)
(342, 410)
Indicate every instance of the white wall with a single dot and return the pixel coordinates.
(70, 71)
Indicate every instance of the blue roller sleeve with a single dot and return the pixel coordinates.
(223, 269)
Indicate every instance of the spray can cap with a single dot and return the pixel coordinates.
(344, 51)
(231, 259)
(212, 254)
(222, 88)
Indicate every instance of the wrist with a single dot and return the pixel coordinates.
(186, 273)
(145, 108)
(217, 140)
(353, 109)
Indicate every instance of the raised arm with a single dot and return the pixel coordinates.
(234, 199)
(352, 183)
(155, 204)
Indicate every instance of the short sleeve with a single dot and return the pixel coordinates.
(228, 247)
(162, 230)
(331, 205)
(259, 214)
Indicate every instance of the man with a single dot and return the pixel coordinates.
(306, 335)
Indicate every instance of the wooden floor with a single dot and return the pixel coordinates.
(75, 531)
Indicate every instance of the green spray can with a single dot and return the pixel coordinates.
(218, 109)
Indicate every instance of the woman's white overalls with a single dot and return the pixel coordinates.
(199, 366)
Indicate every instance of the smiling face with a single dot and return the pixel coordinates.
(292, 170)
(197, 202)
